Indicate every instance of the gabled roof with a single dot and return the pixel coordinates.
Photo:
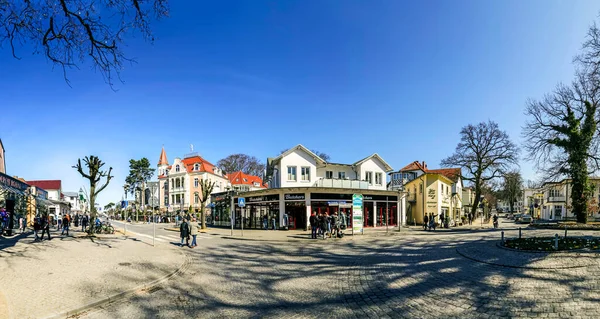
(240, 178)
(452, 173)
(205, 166)
(2, 145)
(163, 158)
(436, 175)
(299, 147)
(47, 184)
(71, 194)
(413, 167)
(388, 168)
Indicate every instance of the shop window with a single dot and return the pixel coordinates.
(305, 173)
(378, 178)
(292, 176)
(329, 174)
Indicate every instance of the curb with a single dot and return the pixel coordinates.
(117, 297)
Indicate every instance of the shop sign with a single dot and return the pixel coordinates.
(357, 213)
(266, 198)
(380, 198)
(12, 182)
(40, 193)
(294, 196)
(330, 196)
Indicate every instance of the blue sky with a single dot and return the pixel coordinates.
(348, 78)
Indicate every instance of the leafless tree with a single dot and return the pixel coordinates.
(94, 174)
(242, 162)
(70, 32)
(485, 153)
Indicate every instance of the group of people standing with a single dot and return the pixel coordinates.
(324, 225)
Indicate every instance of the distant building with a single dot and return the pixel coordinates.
(179, 182)
(2, 159)
(58, 206)
(77, 207)
(242, 182)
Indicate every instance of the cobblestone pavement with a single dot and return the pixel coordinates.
(410, 276)
(41, 279)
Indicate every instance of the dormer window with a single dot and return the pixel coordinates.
(176, 168)
(196, 166)
(245, 180)
(256, 184)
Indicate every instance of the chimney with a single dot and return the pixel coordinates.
(424, 165)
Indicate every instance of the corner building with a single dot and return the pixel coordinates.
(300, 182)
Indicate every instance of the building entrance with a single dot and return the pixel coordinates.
(296, 215)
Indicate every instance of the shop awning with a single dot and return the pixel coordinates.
(12, 190)
(41, 201)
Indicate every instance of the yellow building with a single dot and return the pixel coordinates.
(431, 194)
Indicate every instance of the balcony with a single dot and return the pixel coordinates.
(556, 199)
(411, 197)
(341, 183)
(177, 189)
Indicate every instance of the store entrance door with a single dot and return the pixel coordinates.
(296, 215)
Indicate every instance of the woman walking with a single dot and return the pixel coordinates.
(193, 232)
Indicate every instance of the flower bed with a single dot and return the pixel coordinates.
(547, 243)
(570, 226)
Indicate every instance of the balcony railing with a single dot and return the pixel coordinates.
(341, 183)
(178, 189)
(557, 198)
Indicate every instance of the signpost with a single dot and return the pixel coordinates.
(357, 213)
(242, 204)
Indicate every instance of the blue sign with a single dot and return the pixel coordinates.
(241, 202)
(124, 204)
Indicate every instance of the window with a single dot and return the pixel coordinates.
(378, 178)
(369, 177)
(305, 173)
(176, 168)
(555, 193)
(329, 174)
(177, 184)
(196, 182)
(292, 173)
(196, 166)
(557, 211)
(420, 188)
(196, 198)
(342, 175)
(256, 184)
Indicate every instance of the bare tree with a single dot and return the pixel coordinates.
(485, 153)
(242, 162)
(562, 131)
(512, 188)
(94, 174)
(206, 187)
(73, 31)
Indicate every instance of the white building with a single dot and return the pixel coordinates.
(57, 207)
(77, 207)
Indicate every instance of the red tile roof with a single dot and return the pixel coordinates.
(163, 158)
(415, 166)
(205, 166)
(240, 178)
(46, 185)
(452, 173)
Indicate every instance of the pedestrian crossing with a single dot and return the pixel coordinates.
(172, 238)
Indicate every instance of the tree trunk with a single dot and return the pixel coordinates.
(579, 199)
(476, 201)
(202, 215)
(92, 221)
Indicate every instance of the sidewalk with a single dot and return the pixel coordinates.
(45, 279)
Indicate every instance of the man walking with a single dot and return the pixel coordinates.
(193, 232)
(425, 222)
(65, 224)
(184, 232)
(84, 222)
(45, 226)
(313, 225)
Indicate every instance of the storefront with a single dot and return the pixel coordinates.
(13, 197)
(294, 206)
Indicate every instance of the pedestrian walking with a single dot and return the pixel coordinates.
(266, 222)
(425, 222)
(193, 232)
(273, 222)
(442, 217)
(21, 225)
(313, 225)
(36, 228)
(470, 218)
(45, 225)
(184, 232)
(84, 222)
(65, 224)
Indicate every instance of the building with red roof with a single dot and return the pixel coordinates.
(180, 182)
(243, 182)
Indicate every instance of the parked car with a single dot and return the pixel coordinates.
(517, 217)
(525, 219)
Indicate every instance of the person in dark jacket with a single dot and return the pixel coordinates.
(184, 232)
(45, 226)
(425, 222)
(313, 225)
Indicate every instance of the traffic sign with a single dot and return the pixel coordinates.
(241, 202)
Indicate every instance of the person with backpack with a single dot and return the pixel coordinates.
(84, 222)
(36, 228)
(184, 233)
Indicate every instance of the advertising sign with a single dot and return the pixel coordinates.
(357, 213)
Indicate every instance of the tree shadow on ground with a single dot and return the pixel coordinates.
(393, 277)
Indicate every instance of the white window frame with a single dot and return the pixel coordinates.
(196, 183)
(292, 173)
(329, 174)
(196, 166)
(369, 177)
(379, 176)
(305, 173)
(176, 168)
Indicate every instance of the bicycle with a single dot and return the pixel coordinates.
(107, 228)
